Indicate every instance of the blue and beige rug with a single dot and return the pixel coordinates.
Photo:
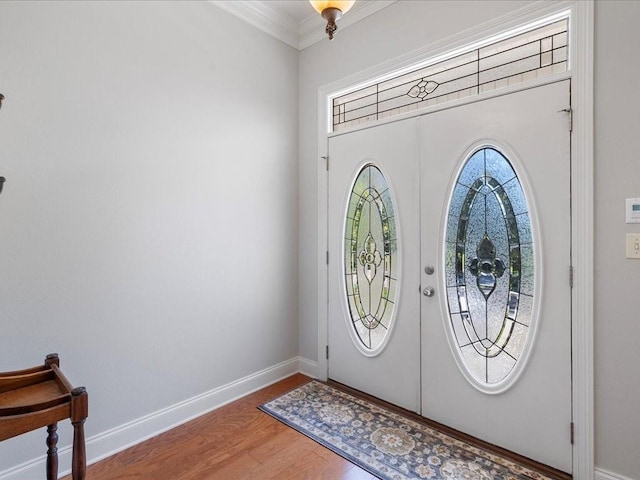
(385, 443)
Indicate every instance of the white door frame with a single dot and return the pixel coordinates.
(582, 195)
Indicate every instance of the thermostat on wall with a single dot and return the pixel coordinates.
(633, 210)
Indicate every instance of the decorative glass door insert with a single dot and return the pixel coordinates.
(370, 259)
(489, 269)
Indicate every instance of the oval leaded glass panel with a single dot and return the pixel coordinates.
(370, 258)
(489, 267)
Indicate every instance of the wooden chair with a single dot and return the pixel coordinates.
(41, 397)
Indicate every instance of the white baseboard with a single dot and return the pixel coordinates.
(129, 434)
(605, 475)
(308, 367)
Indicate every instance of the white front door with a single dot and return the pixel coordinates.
(374, 272)
(496, 328)
(449, 256)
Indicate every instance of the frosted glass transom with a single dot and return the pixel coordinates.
(533, 54)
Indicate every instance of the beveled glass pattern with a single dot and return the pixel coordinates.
(532, 54)
(370, 257)
(489, 266)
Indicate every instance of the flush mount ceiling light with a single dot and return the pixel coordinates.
(331, 11)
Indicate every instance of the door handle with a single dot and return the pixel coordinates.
(429, 292)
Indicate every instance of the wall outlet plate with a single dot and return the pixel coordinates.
(633, 245)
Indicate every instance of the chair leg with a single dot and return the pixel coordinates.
(52, 452)
(79, 458)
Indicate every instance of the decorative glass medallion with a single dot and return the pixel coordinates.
(489, 267)
(370, 257)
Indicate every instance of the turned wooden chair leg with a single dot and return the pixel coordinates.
(79, 409)
(52, 452)
(79, 460)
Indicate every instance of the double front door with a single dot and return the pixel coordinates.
(449, 293)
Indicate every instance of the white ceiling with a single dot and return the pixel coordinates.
(295, 22)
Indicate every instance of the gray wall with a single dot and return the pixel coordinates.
(617, 280)
(148, 226)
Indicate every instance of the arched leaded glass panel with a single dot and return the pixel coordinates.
(489, 267)
(370, 257)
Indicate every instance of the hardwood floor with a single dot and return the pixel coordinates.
(236, 442)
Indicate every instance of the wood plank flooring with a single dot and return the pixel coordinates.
(235, 442)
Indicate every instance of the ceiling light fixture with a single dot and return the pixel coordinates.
(332, 11)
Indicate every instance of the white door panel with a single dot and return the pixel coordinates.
(533, 416)
(392, 371)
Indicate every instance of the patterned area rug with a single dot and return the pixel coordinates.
(385, 443)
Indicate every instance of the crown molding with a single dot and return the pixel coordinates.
(299, 35)
(260, 15)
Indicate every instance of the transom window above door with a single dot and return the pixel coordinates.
(538, 52)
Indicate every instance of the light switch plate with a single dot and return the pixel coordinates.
(633, 245)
